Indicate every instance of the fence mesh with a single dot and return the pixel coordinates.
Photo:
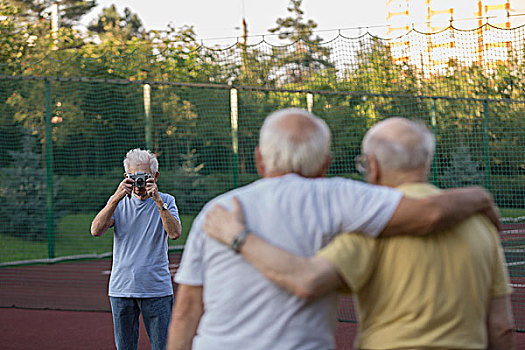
(67, 121)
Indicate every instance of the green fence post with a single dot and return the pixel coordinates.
(433, 121)
(235, 137)
(486, 141)
(49, 173)
(147, 115)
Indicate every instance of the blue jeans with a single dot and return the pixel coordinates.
(156, 313)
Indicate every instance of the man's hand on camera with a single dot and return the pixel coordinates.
(153, 191)
(124, 188)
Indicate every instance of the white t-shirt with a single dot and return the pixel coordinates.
(243, 310)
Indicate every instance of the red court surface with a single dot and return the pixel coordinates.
(68, 330)
(81, 287)
(46, 329)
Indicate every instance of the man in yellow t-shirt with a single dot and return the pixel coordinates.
(448, 290)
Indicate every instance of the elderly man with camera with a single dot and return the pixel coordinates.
(140, 280)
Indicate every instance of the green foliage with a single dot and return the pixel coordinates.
(70, 11)
(23, 190)
(110, 22)
(295, 63)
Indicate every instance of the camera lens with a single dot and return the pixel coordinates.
(140, 182)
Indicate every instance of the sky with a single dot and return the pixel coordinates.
(222, 18)
(214, 20)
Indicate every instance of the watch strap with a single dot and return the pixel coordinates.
(239, 240)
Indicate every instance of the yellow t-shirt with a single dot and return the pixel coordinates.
(423, 292)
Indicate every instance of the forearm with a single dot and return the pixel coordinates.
(423, 216)
(103, 220)
(279, 266)
(171, 225)
(458, 204)
(308, 278)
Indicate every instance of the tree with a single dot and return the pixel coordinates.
(111, 22)
(70, 11)
(463, 170)
(23, 188)
(299, 61)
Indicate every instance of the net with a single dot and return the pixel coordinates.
(67, 121)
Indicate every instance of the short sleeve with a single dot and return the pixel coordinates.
(191, 270)
(360, 207)
(500, 276)
(353, 256)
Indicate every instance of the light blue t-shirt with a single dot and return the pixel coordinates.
(244, 310)
(140, 249)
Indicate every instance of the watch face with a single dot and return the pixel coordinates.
(165, 206)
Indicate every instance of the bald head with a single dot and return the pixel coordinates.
(400, 144)
(294, 141)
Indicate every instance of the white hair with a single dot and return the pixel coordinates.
(409, 150)
(291, 150)
(139, 156)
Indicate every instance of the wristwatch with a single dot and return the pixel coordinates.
(163, 207)
(238, 241)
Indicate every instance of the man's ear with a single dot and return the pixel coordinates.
(373, 175)
(157, 174)
(125, 174)
(259, 164)
(325, 167)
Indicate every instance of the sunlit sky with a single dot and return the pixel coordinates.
(213, 19)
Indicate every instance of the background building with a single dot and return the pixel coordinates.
(486, 42)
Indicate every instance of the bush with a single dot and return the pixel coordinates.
(87, 193)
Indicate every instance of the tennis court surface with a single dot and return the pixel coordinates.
(64, 305)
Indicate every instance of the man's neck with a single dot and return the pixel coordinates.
(279, 173)
(398, 178)
(275, 174)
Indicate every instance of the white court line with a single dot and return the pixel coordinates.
(172, 268)
(521, 251)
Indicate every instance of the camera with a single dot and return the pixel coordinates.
(139, 178)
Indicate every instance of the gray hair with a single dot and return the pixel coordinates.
(408, 146)
(291, 150)
(139, 156)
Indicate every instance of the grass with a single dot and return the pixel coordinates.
(511, 212)
(72, 238)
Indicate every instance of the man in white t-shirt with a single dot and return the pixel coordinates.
(224, 303)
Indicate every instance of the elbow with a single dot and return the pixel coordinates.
(307, 290)
(174, 236)
(95, 232)
(175, 233)
(305, 294)
(504, 329)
